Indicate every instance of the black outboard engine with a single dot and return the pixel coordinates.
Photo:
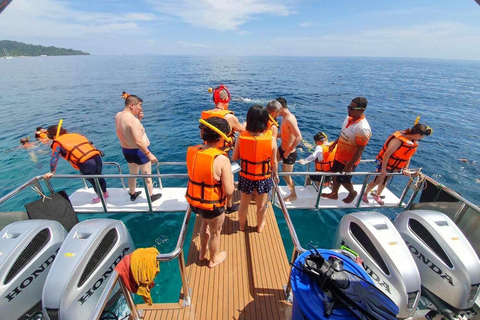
(84, 264)
(448, 265)
(385, 257)
(27, 251)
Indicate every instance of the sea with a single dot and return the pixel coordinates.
(85, 91)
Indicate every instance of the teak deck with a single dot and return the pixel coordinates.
(249, 284)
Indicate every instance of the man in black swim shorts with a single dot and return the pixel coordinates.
(135, 144)
(291, 137)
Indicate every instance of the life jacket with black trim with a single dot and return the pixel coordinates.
(256, 155)
(203, 191)
(78, 148)
(400, 157)
(328, 157)
(221, 114)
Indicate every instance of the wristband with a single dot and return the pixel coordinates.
(147, 153)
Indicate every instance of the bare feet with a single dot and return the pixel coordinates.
(202, 254)
(350, 197)
(290, 198)
(261, 226)
(217, 259)
(332, 196)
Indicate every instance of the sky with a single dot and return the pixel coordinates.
(445, 29)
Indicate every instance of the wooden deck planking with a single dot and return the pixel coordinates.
(248, 285)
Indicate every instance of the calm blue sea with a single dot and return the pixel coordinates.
(85, 92)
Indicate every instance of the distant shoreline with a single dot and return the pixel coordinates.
(19, 49)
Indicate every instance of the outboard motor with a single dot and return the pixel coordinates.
(27, 251)
(84, 264)
(448, 265)
(385, 257)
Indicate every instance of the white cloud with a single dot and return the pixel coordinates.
(53, 19)
(435, 40)
(189, 44)
(220, 15)
(307, 24)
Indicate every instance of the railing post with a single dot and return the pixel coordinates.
(186, 290)
(102, 198)
(85, 183)
(404, 193)
(362, 191)
(149, 200)
(39, 186)
(288, 288)
(128, 298)
(320, 189)
(412, 198)
(160, 184)
(49, 186)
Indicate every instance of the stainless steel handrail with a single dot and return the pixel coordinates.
(177, 252)
(158, 164)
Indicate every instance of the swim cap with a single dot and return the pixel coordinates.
(219, 94)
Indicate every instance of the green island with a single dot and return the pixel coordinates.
(17, 49)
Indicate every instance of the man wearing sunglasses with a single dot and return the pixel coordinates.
(350, 144)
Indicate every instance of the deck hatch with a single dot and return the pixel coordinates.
(422, 232)
(31, 250)
(102, 250)
(369, 247)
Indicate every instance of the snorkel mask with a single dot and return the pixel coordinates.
(216, 95)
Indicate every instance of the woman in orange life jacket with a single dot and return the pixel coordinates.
(256, 148)
(80, 153)
(322, 156)
(395, 156)
(210, 181)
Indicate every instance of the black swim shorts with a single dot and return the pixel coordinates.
(292, 157)
(338, 167)
(209, 214)
(135, 156)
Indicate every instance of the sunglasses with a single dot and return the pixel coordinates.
(353, 108)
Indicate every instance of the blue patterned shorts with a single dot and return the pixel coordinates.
(262, 186)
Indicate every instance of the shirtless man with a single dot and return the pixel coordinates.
(350, 144)
(221, 98)
(287, 152)
(135, 144)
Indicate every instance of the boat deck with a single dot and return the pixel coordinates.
(307, 199)
(249, 284)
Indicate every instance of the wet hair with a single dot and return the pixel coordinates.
(52, 132)
(24, 140)
(419, 129)
(320, 136)
(208, 134)
(39, 128)
(132, 99)
(361, 102)
(273, 106)
(283, 102)
(257, 118)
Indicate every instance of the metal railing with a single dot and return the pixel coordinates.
(176, 253)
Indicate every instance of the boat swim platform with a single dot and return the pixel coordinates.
(173, 199)
(307, 198)
(249, 284)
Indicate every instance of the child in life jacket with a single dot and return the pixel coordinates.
(322, 156)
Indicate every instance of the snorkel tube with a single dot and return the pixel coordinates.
(273, 120)
(223, 135)
(59, 127)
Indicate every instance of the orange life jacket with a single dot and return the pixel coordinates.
(215, 113)
(78, 148)
(203, 191)
(400, 157)
(328, 157)
(256, 155)
(221, 114)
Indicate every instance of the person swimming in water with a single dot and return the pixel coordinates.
(26, 144)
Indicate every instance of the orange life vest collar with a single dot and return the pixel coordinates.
(351, 121)
(203, 191)
(256, 155)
